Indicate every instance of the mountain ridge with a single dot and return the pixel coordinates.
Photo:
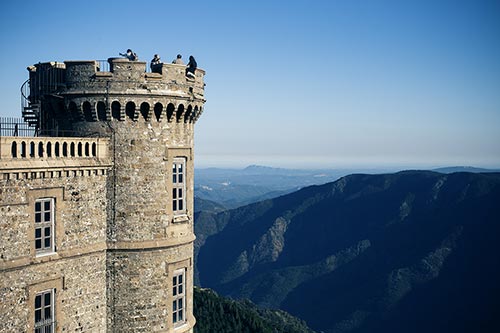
(402, 229)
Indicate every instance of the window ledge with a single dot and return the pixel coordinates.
(180, 218)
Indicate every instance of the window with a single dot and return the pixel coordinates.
(179, 297)
(44, 225)
(44, 312)
(178, 186)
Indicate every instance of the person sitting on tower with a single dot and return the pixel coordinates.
(191, 67)
(130, 55)
(178, 60)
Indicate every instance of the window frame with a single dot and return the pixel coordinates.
(179, 186)
(179, 298)
(41, 325)
(43, 224)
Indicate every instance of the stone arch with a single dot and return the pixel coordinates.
(56, 149)
(32, 149)
(49, 149)
(72, 149)
(13, 149)
(188, 112)
(87, 111)
(80, 149)
(87, 149)
(101, 111)
(65, 149)
(40, 149)
(145, 110)
(73, 111)
(179, 113)
(130, 110)
(158, 109)
(170, 111)
(116, 110)
(94, 149)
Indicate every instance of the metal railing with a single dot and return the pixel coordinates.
(15, 127)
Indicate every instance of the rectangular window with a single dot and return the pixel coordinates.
(44, 312)
(179, 297)
(178, 186)
(44, 225)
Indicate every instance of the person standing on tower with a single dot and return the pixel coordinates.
(130, 55)
(155, 64)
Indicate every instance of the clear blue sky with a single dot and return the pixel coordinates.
(331, 83)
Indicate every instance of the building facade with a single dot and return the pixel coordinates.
(96, 212)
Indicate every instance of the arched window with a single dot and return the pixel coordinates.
(180, 112)
(80, 153)
(73, 111)
(116, 110)
(170, 111)
(130, 110)
(158, 110)
(49, 149)
(72, 149)
(13, 149)
(32, 149)
(87, 111)
(56, 149)
(145, 110)
(65, 149)
(94, 149)
(87, 149)
(187, 114)
(101, 111)
(23, 149)
(40, 149)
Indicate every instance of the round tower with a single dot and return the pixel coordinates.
(150, 119)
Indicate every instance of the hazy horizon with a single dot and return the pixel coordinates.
(301, 83)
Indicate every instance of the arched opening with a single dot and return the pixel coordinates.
(23, 149)
(72, 149)
(49, 149)
(65, 149)
(73, 111)
(87, 149)
(145, 110)
(180, 112)
(40, 149)
(101, 111)
(80, 153)
(94, 150)
(32, 149)
(158, 110)
(87, 111)
(116, 110)
(187, 114)
(56, 149)
(130, 110)
(13, 149)
(170, 111)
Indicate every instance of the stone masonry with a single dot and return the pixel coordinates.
(119, 184)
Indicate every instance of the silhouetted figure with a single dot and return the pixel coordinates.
(178, 60)
(130, 55)
(191, 67)
(156, 64)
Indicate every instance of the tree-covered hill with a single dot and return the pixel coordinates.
(216, 314)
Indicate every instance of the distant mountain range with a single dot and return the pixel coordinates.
(414, 251)
(233, 188)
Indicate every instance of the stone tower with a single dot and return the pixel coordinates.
(129, 263)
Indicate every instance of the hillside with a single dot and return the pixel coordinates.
(409, 252)
(222, 315)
